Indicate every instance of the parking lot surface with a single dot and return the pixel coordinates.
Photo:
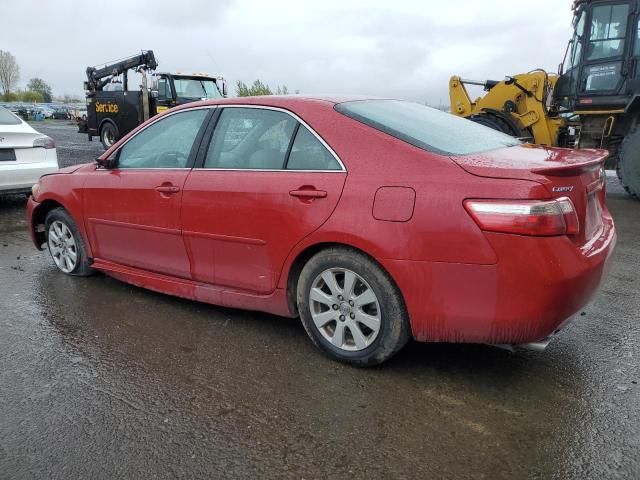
(100, 379)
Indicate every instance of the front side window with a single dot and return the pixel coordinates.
(426, 127)
(608, 29)
(166, 143)
(250, 138)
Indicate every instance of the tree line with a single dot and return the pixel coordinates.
(37, 89)
(259, 88)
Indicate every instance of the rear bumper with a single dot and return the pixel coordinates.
(536, 286)
(32, 163)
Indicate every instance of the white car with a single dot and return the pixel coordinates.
(25, 155)
(79, 112)
(47, 112)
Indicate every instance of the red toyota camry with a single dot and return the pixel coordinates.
(373, 220)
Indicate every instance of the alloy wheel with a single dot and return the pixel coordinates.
(62, 246)
(345, 309)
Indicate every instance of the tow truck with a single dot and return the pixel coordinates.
(113, 110)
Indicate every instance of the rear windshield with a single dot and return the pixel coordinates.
(425, 127)
(8, 118)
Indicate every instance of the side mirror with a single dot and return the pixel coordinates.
(224, 89)
(107, 163)
(154, 93)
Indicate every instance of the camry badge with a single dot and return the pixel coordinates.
(568, 188)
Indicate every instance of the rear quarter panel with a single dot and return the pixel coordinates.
(440, 230)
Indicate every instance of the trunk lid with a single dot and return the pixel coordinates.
(17, 136)
(576, 174)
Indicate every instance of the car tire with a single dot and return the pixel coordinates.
(108, 135)
(65, 244)
(351, 308)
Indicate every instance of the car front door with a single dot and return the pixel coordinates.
(266, 182)
(132, 211)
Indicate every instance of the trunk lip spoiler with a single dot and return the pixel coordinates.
(573, 168)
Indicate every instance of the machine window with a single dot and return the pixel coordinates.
(576, 44)
(608, 29)
(164, 89)
(602, 77)
(249, 138)
(308, 153)
(164, 144)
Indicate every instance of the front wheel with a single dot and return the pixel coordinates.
(351, 309)
(65, 244)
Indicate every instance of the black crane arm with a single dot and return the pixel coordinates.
(97, 78)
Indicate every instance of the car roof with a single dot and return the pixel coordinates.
(283, 101)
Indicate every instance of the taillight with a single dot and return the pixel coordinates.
(44, 142)
(525, 217)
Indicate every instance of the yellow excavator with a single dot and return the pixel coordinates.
(592, 102)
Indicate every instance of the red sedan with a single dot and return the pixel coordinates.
(373, 220)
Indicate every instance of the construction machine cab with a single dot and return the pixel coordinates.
(599, 71)
(171, 89)
(593, 101)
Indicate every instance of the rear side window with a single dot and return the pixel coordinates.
(308, 153)
(8, 118)
(426, 127)
(251, 139)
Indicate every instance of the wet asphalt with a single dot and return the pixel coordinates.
(99, 379)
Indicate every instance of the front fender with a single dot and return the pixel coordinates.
(59, 190)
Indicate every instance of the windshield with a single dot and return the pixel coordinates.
(196, 88)
(8, 118)
(426, 127)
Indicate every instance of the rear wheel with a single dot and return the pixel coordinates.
(628, 166)
(65, 244)
(108, 135)
(350, 307)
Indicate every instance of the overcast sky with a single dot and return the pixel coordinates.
(402, 48)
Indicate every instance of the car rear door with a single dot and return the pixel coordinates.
(132, 211)
(244, 209)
